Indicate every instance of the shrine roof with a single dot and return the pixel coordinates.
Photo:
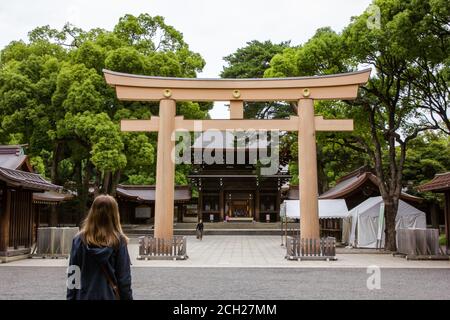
(441, 182)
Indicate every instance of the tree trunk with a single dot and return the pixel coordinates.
(83, 178)
(106, 182)
(390, 213)
(114, 183)
(97, 184)
(322, 176)
(57, 154)
(86, 184)
(80, 193)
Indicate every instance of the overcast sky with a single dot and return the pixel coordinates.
(212, 28)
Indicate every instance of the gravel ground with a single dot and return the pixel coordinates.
(241, 283)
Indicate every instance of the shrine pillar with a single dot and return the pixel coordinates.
(307, 166)
(165, 171)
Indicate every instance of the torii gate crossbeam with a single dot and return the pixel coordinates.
(303, 90)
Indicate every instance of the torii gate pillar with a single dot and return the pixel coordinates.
(307, 166)
(165, 171)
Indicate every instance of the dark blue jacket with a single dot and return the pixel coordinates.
(94, 284)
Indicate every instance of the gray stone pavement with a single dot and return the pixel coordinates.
(250, 252)
(241, 283)
(245, 267)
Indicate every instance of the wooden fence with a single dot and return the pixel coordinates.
(311, 249)
(161, 249)
(419, 244)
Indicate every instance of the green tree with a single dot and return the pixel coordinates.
(323, 54)
(252, 61)
(393, 117)
(387, 116)
(53, 97)
(428, 155)
(428, 48)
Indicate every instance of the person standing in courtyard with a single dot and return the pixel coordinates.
(100, 256)
(199, 229)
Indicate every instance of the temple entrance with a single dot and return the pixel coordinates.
(240, 205)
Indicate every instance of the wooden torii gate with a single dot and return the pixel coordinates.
(303, 90)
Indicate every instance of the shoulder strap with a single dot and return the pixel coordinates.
(111, 282)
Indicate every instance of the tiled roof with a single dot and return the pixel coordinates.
(347, 185)
(441, 182)
(12, 157)
(147, 193)
(351, 184)
(27, 180)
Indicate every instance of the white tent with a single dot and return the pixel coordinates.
(362, 227)
(328, 209)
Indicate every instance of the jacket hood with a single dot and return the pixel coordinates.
(101, 254)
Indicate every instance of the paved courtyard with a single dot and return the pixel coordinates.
(241, 283)
(252, 252)
(245, 267)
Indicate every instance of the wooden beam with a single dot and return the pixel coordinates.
(347, 92)
(238, 124)
(140, 125)
(236, 109)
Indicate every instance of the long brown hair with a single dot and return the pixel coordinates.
(102, 227)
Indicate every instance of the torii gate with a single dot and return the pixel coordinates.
(303, 90)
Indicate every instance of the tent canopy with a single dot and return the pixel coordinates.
(361, 226)
(328, 209)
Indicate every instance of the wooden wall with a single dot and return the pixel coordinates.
(16, 221)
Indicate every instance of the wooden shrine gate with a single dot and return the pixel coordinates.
(303, 90)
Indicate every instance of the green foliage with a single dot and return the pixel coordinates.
(139, 180)
(126, 59)
(252, 61)
(53, 96)
(180, 178)
(427, 156)
(410, 45)
(97, 133)
(38, 165)
(324, 53)
(442, 240)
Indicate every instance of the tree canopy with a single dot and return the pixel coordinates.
(406, 96)
(54, 98)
